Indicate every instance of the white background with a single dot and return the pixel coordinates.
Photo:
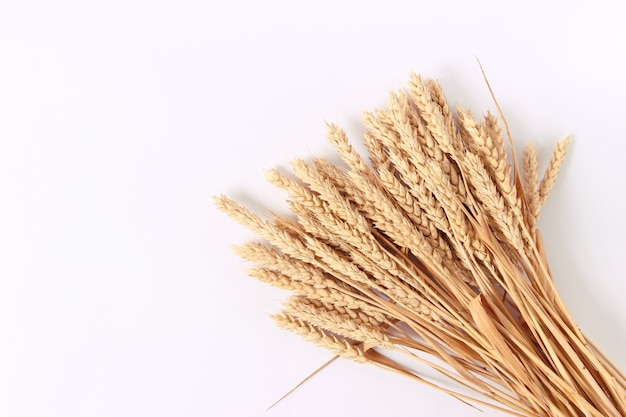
(119, 120)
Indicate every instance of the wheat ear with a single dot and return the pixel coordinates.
(430, 249)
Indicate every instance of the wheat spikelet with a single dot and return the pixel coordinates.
(438, 97)
(431, 250)
(337, 344)
(407, 121)
(337, 321)
(531, 184)
(415, 204)
(492, 201)
(491, 126)
(426, 178)
(420, 93)
(298, 271)
(287, 282)
(554, 166)
(413, 183)
(493, 160)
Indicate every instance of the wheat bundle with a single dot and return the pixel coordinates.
(431, 250)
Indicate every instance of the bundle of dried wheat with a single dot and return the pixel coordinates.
(431, 249)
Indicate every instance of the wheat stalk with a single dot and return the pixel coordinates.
(431, 250)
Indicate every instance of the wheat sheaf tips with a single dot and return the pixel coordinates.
(428, 248)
